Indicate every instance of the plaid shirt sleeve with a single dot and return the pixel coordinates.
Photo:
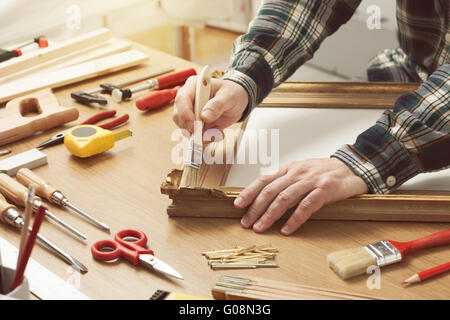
(412, 138)
(283, 35)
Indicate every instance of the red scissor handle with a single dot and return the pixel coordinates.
(121, 247)
(99, 116)
(104, 115)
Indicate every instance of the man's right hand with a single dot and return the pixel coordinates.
(226, 105)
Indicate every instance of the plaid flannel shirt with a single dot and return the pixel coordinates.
(412, 138)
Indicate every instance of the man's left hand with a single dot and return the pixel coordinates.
(308, 184)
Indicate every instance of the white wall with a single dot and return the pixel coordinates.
(22, 20)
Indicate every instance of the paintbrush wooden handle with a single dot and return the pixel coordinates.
(202, 95)
(433, 240)
(202, 91)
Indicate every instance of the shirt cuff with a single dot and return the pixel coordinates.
(384, 171)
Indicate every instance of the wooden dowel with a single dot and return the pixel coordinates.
(258, 280)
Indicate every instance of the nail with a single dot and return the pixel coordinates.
(238, 202)
(258, 226)
(244, 221)
(285, 230)
(207, 114)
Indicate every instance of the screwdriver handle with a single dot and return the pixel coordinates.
(4, 206)
(43, 189)
(13, 190)
(156, 99)
(175, 78)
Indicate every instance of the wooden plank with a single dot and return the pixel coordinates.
(364, 95)
(86, 54)
(53, 52)
(61, 77)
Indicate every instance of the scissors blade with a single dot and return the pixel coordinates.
(152, 262)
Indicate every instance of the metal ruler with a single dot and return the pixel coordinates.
(43, 283)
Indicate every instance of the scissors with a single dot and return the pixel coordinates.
(134, 251)
(59, 137)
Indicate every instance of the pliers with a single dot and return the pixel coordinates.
(59, 137)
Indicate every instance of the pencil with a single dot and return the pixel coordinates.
(427, 274)
(28, 247)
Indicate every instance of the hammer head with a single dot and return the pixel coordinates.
(108, 88)
(121, 94)
(87, 98)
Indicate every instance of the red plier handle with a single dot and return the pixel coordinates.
(104, 115)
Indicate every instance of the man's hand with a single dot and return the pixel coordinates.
(308, 185)
(226, 105)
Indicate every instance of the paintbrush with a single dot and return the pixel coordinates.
(352, 262)
(193, 159)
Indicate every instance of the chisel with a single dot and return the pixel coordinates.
(17, 193)
(10, 215)
(44, 189)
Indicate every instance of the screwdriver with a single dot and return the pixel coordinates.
(156, 99)
(163, 82)
(44, 189)
(17, 193)
(9, 214)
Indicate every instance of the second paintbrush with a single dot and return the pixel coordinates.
(44, 189)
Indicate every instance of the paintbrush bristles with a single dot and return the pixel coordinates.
(193, 161)
(350, 262)
(189, 177)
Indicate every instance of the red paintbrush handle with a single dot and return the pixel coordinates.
(175, 78)
(434, 271)
(433, 240)
(156, 99)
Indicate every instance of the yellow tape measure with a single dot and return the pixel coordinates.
(88, 140)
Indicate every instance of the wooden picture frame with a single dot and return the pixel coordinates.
(213, 199)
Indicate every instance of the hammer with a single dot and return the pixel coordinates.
(88, 97)
(119, 94)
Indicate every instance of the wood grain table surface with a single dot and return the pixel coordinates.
(121, 187)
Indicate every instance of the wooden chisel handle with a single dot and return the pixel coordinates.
(4, 206)
(13, 190)
(43, 189)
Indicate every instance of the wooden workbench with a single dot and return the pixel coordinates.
(121, 188)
